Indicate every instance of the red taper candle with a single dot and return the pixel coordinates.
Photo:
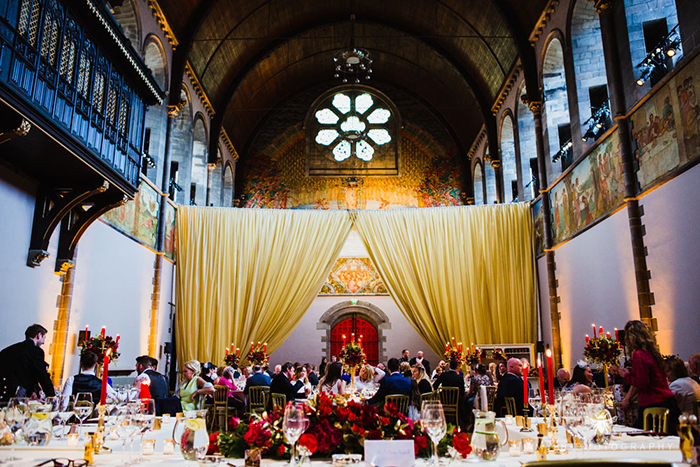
(539, 371)
(105, 377)
(601, 331)
(617, 337)
(145, 392)
(116, 342)
(102, 333)
(550, 377)
(587, 338)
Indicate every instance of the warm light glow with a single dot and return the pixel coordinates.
(539, 361)
(109, 351)
(549, 353)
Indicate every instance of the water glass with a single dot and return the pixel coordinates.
(293, 425)
(433, 422)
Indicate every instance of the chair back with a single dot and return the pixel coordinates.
(490, 396)
(400, 400)
(278, 400)
(450, 400)
(655, 419)
(428, 396)
(257, 398)
(221, 395)
(510, 406)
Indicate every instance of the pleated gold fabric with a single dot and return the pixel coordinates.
(466, 272)
(249, 274)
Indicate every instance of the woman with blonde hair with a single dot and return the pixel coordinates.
(368, 377)
(193, 386)
(647, 376)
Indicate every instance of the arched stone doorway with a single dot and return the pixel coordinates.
(353, 316)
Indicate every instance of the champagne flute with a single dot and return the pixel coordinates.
(83, 407)
(293, 426)
(433, 423)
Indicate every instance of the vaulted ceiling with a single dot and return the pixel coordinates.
(252, 55)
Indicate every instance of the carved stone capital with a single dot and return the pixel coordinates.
(173, 110)
(469, 200)
(496, 163)
(535, 107)
(602, 5)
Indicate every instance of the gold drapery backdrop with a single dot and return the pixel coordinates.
(466, 272)
(249, 274)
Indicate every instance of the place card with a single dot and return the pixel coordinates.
(389, 453)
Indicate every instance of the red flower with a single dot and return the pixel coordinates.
(281, 450)
(343, 413)
(233, 423)
(213, 444)
(420, 443)
(461, 444)
(309, 441)
(374, 434)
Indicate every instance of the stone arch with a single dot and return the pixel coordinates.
(198, 177)
(156, 60)
(128, 17)
(479, 188)
(527, 146)
(589, 68)
(509, 161)
(227, 187)
(181, 149)
(490, 186)
(156, 118)
(556, 105)
(365, 310)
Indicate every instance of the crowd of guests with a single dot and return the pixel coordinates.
(647, 379)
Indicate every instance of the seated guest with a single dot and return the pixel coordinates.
(511, 385)
(694, 366)
(481, 378)
(157, 384)
(332, 383)
(193, 386)
(209, 372)
(438, 370)
(301, 375)
(282, 384)
(419, 359)
(259, 378)
(501, 370)
(613, 377)
(86, 381)
(405, 369)
(562, 379)
(686, 390)
(582, 379)
(419, 375)
(311, 374)
(322, 367)
(368, 377)
(391, 384)
(451, 379)
(226, 379)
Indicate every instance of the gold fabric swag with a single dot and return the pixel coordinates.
(250, 275)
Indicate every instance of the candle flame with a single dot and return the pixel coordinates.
(549, 353)
(539, 361)
(109, 351)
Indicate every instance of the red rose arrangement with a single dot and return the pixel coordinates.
(453, 351)
(99, 345)
(352, 354)
(603, 350)
(499, 354)
(258, 355)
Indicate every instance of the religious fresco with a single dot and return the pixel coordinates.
(169, 240)
(138, 218)
(353, 276)
(538, 227)
(430, 176)
(666, 128)
(592, 189)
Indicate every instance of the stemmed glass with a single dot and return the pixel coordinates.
(293, 425)
(143, 419)
(83, 407)
(125, 429)
(62, 404)
(432, 419)
(16, 414)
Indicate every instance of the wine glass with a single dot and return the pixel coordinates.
(16, 415)
(83, 407)
(143, 419)
(64, 406)
(433, 423)
(293, 425)
(124, 429)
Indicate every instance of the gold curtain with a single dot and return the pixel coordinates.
(466, 272)
(249, 274)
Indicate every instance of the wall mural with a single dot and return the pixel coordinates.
(538, 227)
(430, 176)
(592, 189)
(169, 241)
(138, 218)
(353, 276)
(666, 128)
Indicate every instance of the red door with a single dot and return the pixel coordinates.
(363, 329)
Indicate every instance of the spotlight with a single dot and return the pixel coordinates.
(563, 151)
(597, 122)
(655, 61)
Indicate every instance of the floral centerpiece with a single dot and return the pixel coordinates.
(499, 354)
(453, 351)
(258, 355)
(352, 354)
(473, 358)
(603, 350)
(335, 426)
(99, 346)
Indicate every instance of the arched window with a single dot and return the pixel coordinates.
(508, 160)
(490, 182)
(127, 17)
(362, 329)
(53, 19)
(479, 191)
(156, 118)
(198, 182)
(528, 148)
(29, 17)
(556, 109)
(216, 178)
(69, 51)
(227, 189)
(355, 128)
(589, 69)
(181, 147)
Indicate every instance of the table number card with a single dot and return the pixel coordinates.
(389, 453)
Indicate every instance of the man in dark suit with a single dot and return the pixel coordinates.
(259, 378)
(511, 385)
(562, 379)
(282, 384)
(405, 356)
(419, 359)
(313, 377)
(23, 368)
(451, 379)
(394, 383)
(157, 384)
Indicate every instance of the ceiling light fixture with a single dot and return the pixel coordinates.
(353, 63)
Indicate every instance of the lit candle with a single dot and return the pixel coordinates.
(550, 377)
(454, 344)
(344, 338)
(86, 331)
(539, 371)
(601, 331)
(102, 333)
(105, 369)
(472, 347)
(525, 389)
(117, 341)
(352, 337)
(607, 334)
(265, 347)
(226, 349)
(447, 347)
(617, 337)
(238, 351)
(231, 346)
(460, 347)
(595, 331)
(251, 347)
(145, 390)
(587, 338)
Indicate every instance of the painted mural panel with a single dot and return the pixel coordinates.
(169, 241)
(353, 276)
(591, 190)
(138, 218)
(666, 128)
(538, 227)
